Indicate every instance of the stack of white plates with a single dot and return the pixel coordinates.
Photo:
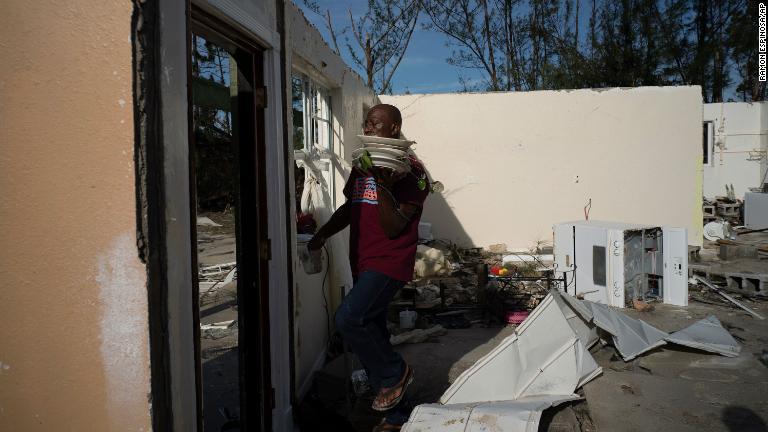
(384, 152)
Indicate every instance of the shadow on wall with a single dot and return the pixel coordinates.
(437, 208)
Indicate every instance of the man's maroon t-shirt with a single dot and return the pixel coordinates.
(369, 246)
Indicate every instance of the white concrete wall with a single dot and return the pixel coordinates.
(739, 150)
(513, 164)
(310, 55)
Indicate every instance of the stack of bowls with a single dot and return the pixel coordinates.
(383, 152)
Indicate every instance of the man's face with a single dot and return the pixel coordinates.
(379, 123)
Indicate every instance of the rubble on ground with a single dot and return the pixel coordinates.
(547, 359)
(449, 278)
(463, 287)
(417, 336)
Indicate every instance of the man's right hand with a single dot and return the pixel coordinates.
(316, 243)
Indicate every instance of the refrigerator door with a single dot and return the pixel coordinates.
(592, 263)
(675, 285)
(616, 268)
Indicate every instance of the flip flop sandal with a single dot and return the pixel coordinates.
(386, 393)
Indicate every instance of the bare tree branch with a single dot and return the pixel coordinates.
(329, 25)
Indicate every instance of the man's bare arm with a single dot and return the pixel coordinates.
(338, 221)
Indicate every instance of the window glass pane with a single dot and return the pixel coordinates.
(297, 105)
(598, 265)
(705, 136)
(215, 117)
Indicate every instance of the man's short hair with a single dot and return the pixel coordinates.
(392, 111)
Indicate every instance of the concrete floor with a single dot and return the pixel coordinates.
(669, 389)
(219, 362)
(439, 362)
(678, 389)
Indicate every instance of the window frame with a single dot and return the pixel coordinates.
(708, 140)
(317, 109)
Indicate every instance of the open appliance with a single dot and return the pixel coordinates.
(615, 263)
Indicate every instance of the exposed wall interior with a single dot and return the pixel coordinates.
(74, 351)
(739, 147)
(514, 164)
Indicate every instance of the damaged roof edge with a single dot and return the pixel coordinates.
(334, 57)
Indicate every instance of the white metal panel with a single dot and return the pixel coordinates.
(522, 415)
(439, 418)
(544, 356)
(708, 335)
(586, 238)
(631, 337)
(574, 312)
(756, 210)
(675, 284)
(563, 251)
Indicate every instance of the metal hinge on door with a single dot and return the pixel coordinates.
(265, 249)
(260, 96)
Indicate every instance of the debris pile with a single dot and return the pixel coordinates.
(546, 360)
(219, 330)
(494, 283)
(217, 283)
(540, 365)
(417, 336)
(726, 208)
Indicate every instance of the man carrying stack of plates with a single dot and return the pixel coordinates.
(385, 194)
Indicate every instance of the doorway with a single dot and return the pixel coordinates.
(228, 200)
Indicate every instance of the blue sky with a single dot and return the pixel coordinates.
(423, 69)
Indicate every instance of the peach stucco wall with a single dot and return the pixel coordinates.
(73, 305)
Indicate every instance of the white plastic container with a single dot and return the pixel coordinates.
(407, 319)
(311, 261)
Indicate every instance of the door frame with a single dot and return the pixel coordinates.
(161, 50)
(251, 225)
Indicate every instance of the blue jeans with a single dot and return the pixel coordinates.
(362, 321)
